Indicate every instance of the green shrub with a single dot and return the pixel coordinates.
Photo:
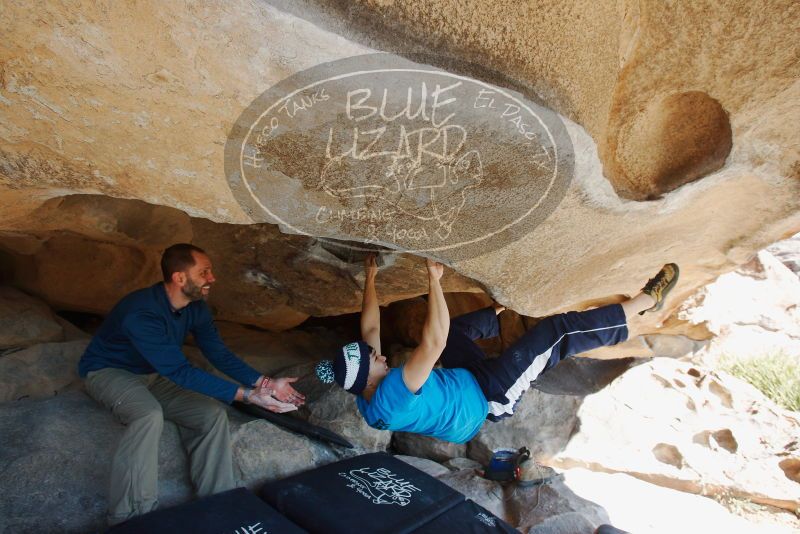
(776, 375)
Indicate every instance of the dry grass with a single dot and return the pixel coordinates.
(776, 375)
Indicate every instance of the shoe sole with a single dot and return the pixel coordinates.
(666, 290)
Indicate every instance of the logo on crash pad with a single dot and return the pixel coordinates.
(380, 485)
(486, 519)
(381, 150)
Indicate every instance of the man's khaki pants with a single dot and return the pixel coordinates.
(142, 402)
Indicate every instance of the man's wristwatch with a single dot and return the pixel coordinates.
(246, 395)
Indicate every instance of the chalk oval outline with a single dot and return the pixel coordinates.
(433, 71)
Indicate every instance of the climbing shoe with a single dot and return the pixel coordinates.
(660, 285)
(530, 474)
(517, 467)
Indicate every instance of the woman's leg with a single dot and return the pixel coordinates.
(506, 378)
(461, 350)
(479, 324)
(554, 338)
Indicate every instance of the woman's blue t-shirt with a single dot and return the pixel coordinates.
(450, 405)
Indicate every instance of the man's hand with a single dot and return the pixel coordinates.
(282, 390)
(435, 269)
(259, 397)
(370, 266)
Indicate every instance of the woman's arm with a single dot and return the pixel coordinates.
(434, 333)
(370, 312)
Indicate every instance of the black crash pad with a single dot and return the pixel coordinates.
(294, 424)
(467, 518)
(372, 493)
(237, 511)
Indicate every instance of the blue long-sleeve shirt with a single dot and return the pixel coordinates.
(143, 334)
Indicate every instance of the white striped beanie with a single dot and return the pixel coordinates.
(349, 368)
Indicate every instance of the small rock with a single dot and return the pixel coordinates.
(427, 447)
(541, 506)
(264, 452)
(423, 464)
(672, 346)
(57, 454)
(568, 523)
(487, 493)
(456, 464)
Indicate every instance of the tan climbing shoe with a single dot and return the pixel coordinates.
(660, 285)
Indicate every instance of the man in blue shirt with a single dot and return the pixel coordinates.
(134, 367)
(451, 403)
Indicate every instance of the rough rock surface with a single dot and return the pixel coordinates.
(547, 414)
(427, 447)
(634, 505)
(39, 371)
(26, 320)
(457, 464)
(610, 72)
(484, 492)
(752, 311)
(263, 452)
(264, 278)
(97, 100)
(702, 432)
(788, 251)
(423, 464)
(57, 456)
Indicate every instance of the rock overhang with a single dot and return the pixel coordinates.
(108, 103)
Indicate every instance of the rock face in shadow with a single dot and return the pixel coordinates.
(547, 414)
(57, 454)
(264, 278)
(39, 371)
(427, 447)
(26, 320)
(263, 452)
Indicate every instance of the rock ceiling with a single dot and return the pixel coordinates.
(681, 121)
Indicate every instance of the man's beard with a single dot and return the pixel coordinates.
(192, 291)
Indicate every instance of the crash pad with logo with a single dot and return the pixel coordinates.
(237, 511)
(371, 493)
